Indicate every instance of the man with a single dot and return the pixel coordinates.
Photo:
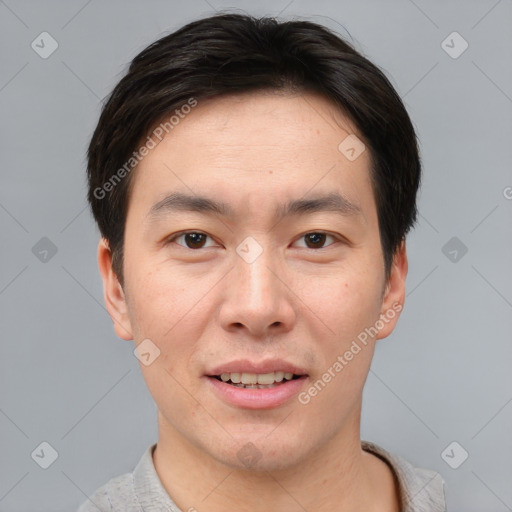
(253, 182)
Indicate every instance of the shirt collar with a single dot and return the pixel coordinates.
(421, 490)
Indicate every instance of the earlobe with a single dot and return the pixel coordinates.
(394, 297)
(113, 293)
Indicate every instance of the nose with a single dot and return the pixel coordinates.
(257, 298)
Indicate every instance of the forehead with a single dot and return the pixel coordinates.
(258, 145)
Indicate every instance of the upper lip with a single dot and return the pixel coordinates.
(267, 366)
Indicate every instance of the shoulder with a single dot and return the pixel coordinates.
(116, 495)
(421, 490)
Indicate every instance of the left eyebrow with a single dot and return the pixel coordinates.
(177, 201)
(332, 202)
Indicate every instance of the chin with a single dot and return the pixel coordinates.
(257, 454)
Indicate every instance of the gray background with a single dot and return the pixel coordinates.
(443, 376)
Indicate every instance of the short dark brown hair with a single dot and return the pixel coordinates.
(233, 53)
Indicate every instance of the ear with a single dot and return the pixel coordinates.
(394, 294)
(113, 293)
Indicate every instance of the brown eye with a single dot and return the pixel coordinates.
(193, 239)
(315, 240)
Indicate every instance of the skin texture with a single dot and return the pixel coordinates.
(303, 303)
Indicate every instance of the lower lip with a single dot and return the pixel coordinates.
(257, 398)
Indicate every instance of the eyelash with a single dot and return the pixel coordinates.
(183, 233)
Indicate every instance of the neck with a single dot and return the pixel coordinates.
(339, 476)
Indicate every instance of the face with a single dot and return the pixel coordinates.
(252, 253)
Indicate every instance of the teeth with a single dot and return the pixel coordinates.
(249, 378)
(255, 386)
(266, 378)
(253, 380)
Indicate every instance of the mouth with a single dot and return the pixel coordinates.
(257, 380)
(246, 390)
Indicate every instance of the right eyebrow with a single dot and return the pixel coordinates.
(183, 202)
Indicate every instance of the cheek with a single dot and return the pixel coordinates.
(166, 308)
(349, 307)
(334, 394)
(347, 304)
